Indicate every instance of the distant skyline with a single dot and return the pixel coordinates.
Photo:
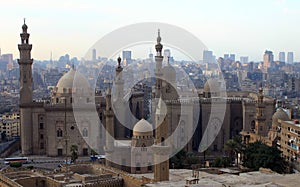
(245, 28)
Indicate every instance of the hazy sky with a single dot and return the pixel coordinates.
(225, 26)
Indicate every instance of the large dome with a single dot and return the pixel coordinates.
(169, 73)
(65, 83)
(142, 127)
(211, 85)
(279, 114)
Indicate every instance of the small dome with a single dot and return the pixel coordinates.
(169, 73)
(24, 27)
(211, 85)
(142, 127)
(66, 81)
(279, 114)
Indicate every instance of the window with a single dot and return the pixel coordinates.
(59, 152)
(85, 132)
(85, 151)
(41, 125)
(41, 136)
(138, 166)
(71, 100)
(149, 167)
(41, 145)
(57, 100)
(59, 132)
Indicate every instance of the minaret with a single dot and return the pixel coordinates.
(119, 82)
(109, 124)
(260, 116)
(161, 149)
(25, 63)
(158, 68)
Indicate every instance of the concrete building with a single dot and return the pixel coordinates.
(281, 56)
(290, 57)
(268, 60)
(10, 125)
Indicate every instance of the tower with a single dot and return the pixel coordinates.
(158, 68)
(119, 82)
(161, 149)
(25, 63)
(260, 117)
(109, 124)
(268, 60)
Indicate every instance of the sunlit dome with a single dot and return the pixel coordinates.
(142, 127)
(72, 80)
(280, 114)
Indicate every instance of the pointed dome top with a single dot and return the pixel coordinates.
(142, 126)
(158, 46)
(119, 61)
(24, 27)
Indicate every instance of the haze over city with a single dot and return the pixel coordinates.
(246, 28)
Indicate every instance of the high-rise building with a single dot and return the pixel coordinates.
(207, 56)
(127, 56)
(94, 55)
(290, 57)
(226, 56)
(167, 53)
(268, 59)
(281, 56)
(244, 59)
(232, 57)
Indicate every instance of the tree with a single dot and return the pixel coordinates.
(74, 153)
(234, 146)
(258, 155)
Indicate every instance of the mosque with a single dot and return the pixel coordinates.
(49, 128)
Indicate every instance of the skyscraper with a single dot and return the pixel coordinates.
(232, 57)
(207, 56)
(268, 59)
(281, 56)
(244, 59)
(290, 57)
(167, 54)
(127, 56)
(94, 55)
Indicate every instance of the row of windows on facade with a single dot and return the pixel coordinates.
(58, 100)
(59, 132)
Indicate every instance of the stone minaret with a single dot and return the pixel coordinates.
(161, 149)
(25, 63)
(260, 116)
(119, 82)
(158, 68)
(109, 124)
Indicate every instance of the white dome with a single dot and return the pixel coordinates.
(142, 127)
(169, 73)
(280, 114)
(66, 82)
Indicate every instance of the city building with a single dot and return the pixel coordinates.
(94, 58)
(10, 126)
(244, 59)
(126, 56)
(290, 57)
(208, 57)
(268, 60)
(281, 57)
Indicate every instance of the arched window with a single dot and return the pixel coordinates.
(85, 132)
(59, 132)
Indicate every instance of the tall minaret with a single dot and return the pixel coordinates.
(25, 63)
(158, 68)
(119, 82)
(161, 148)
(109, 124)
(260, 116)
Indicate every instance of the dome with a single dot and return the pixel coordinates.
(279, 114)
(169, 73)
(142, 127)
(66, 82)
(211, 85)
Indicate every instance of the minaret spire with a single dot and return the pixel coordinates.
(25, 63)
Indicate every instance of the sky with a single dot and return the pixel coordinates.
(246, 28)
